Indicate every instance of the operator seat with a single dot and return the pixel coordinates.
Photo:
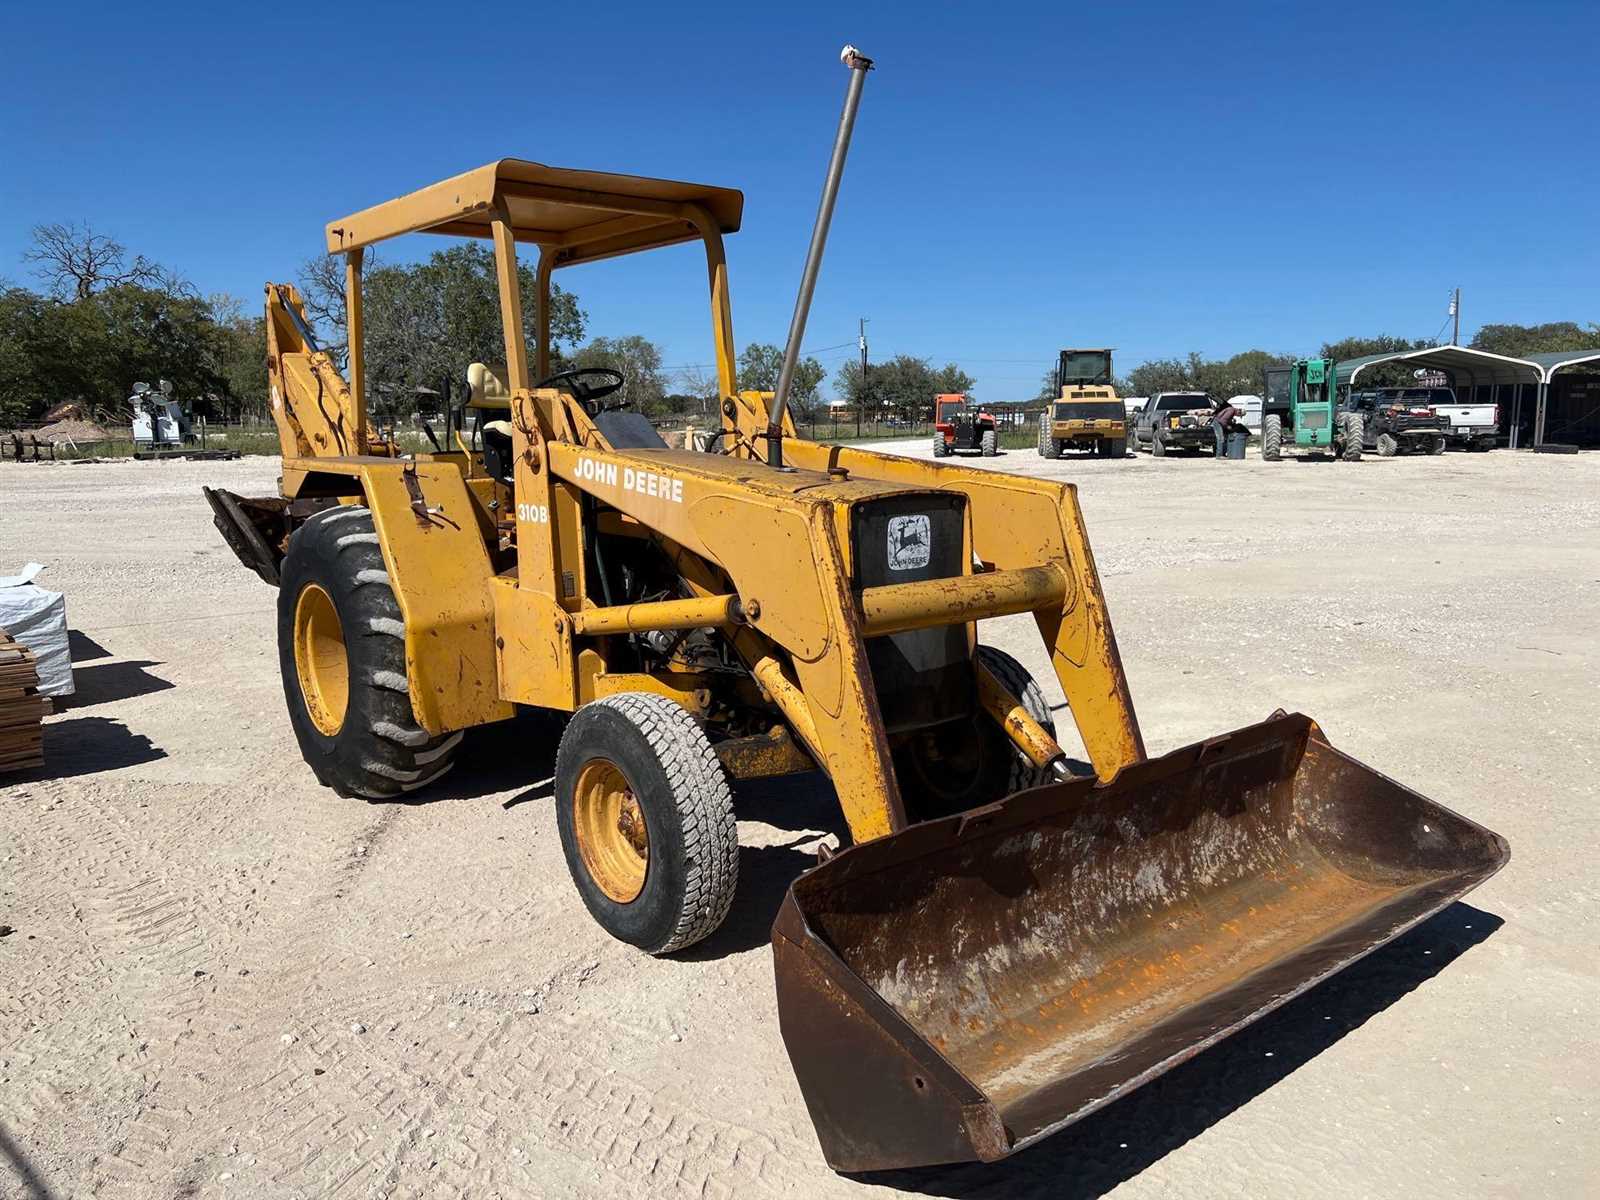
(487, 391)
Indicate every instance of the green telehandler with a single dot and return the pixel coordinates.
(1303, 400)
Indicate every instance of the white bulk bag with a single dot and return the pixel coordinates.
(38, 619)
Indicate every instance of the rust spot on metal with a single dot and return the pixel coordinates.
(764, 755)
(1085, 937)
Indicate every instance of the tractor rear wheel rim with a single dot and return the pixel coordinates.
(321, 659)
(613, 839)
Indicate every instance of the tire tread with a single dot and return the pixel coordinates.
(383, 750)
(704, 802)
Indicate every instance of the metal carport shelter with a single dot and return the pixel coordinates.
(1472, 369)
(1552, 361)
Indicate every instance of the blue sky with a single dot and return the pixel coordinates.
(1156, 177)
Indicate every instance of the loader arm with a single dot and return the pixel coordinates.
(1018, 522)
(782, 538)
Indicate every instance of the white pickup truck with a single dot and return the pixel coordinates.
(1475, 426)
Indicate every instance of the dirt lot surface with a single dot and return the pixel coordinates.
(224, 981)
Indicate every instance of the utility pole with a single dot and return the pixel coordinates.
(861, 400)
(1455, 311)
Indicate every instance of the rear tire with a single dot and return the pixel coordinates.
(1158, 447)
(1119, 447)
(989, 443)
(1388, 445)
(646, 821)
(1272, 438)
(1436, 446)
(1354, 428)
(940, 449)
(1048, 446)
(342, 655)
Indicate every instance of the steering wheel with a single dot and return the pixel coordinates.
(606, 382)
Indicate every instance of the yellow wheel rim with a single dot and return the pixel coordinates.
(320, 658)
(612, 838)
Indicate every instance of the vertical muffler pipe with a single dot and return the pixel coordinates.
(859, 65)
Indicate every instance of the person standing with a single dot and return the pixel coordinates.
(1223, 422)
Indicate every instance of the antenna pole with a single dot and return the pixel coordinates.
(859, 64)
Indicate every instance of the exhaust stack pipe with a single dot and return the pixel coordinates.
(859, 64)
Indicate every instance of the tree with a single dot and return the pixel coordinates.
(639, 360)
(425, 322)
(760, 363)
(1162, 375)
(241, 352)
(25, 389)
(75, 262)
(1517, 341)
(150, 335)
(1222, 378)
(321, 280)
(1048, 389)
(1386, 374)
(1240, 375)
(95, 349)
(1355, 347)
(950, 379)
(699, 386)
(904, 382)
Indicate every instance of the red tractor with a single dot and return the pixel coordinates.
(961, 428)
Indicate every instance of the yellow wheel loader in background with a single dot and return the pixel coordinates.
(1086, 413)
(1005, 945)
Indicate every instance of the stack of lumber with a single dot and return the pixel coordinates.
(22, 709)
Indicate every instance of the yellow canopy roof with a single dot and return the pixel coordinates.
(584, 214)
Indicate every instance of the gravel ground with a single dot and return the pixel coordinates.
(223, 981)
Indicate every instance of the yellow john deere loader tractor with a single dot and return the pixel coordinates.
(1004, 946)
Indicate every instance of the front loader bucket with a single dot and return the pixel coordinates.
(964, 988)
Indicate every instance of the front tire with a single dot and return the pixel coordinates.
(646, 821)
(989, 443)
(1354, 430)
(342, 655)
(1272, 438)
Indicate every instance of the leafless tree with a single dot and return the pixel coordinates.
(699, 381)
(75, 262)
(321, 280)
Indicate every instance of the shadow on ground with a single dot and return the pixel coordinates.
(1118, 1142)
(85, 745)
(111, 681)
(84, 648)
(518, 755)
(15, 1163)
(802, 804)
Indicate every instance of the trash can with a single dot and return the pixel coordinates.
(1236, 442)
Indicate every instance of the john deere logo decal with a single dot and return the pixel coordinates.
(909, 542)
